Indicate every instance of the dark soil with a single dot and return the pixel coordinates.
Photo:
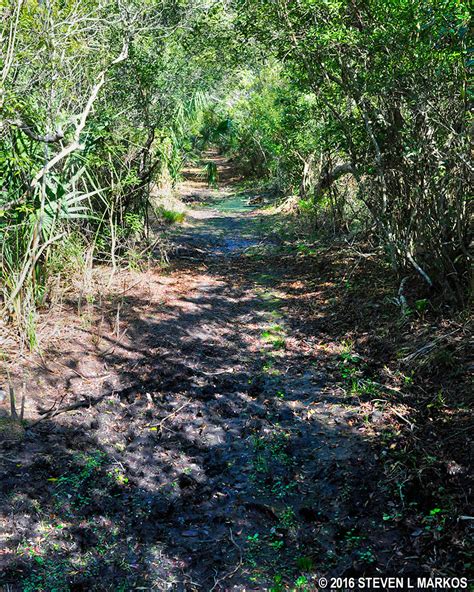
(241, 421)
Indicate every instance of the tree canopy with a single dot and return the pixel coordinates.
(361, 108)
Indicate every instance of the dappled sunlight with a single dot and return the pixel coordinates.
(235, 272)
(176, 444)
(212, 427)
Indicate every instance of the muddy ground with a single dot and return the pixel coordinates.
(235, 421)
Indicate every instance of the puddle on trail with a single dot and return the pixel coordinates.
(226, 226)
(230, 226)
(232, 245)
(238, 243)
(235, 203)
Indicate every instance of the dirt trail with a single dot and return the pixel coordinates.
(220, 450)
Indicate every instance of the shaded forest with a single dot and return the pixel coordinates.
(235, 289)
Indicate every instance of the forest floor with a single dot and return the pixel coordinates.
(235, 421)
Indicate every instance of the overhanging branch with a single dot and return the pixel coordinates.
(75, 144)
(46, 139)
(328, 177)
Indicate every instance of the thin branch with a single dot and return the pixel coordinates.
(423, 273)
(160, 425)
(75, 144)
(46, 139)
(13, 412)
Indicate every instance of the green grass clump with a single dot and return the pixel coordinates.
(170, 216)
(274, 336)
(211, 174)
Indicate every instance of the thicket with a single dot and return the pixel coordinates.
(97, 101)
(360, 108)
(366, 115)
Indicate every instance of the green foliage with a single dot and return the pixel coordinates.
(170, 216)
(111, 108)
(421, 306)
(73, 489)
(68, 256)
(368, 120)
(435, 521)
(274, 335)
(211, 174)
(359, 108)
(133, 223)
(305, 563)
(51, 575)
(353, 369)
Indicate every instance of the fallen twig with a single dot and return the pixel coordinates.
(236, 569)
(9, 459)
(123, 292)
(160, 424)
(456, 433)
(410, 424)
(428, 346)
(55, 404)
(78, 405)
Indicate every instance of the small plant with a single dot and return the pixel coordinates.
(74, 486)
(260, 464)
(278, 585)
(350, 365)
(30, 330)
(51, 575)
(421, 306)
(268, 368)
(133, 223)
(170, 216)
(134, 258)
(305, 250)
(275, 445)
(438, 402)
(352, 539)
(211, 174)
(278, 343)
(118, 476)
(435, 521)
(253, 539)
(301, 582)
(367, 556)
(287, 518)
(254, 544)
(360, 387)
(280, 489)
(274, 336)
(305, 563)
(277, 544)
(395, 516)
(352, 368)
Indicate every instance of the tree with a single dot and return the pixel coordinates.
(390, 81)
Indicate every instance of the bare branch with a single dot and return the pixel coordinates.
(329, 176)
(46, 139)
(75, 144)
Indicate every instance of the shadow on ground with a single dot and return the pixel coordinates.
(231, 454)
(225, 460)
